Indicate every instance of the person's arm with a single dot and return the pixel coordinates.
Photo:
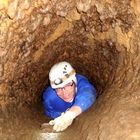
(49, 111)
(48, 101)
(66, 118)
(82, 103)
(85, 97)
(76, 109)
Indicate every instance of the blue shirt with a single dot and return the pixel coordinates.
(84, 98)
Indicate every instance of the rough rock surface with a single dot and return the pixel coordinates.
(99, 38)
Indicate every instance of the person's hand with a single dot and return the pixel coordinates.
(46, 127)
(62, 122)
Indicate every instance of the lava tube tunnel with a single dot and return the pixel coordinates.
(100, 39)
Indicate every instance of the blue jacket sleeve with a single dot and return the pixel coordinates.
(86, 94)
(47, 103)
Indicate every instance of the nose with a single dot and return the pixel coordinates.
(64, 91)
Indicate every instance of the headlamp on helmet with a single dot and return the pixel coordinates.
(58, 81)
(61, 74)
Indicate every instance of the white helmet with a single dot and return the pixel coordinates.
(61, 74)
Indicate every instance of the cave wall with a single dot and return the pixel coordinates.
(99, 38)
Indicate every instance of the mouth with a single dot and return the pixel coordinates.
(66, 96)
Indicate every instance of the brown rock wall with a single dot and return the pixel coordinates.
(99, 38)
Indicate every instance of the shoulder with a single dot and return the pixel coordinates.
(81, 79)
(48, 93)
(79, 76)
(83, 82)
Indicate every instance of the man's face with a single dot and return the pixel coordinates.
(67, 92)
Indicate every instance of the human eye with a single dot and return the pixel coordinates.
(58, 89)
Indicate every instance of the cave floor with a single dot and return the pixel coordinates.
(122, 110)
(23, 125)
(26, 125)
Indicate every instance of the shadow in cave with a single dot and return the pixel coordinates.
(99, 38)
(25, 123)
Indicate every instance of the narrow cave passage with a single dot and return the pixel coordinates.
(100, 40)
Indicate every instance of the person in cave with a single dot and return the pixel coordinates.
(68, 95)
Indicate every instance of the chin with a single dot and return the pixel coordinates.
(68, 100)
